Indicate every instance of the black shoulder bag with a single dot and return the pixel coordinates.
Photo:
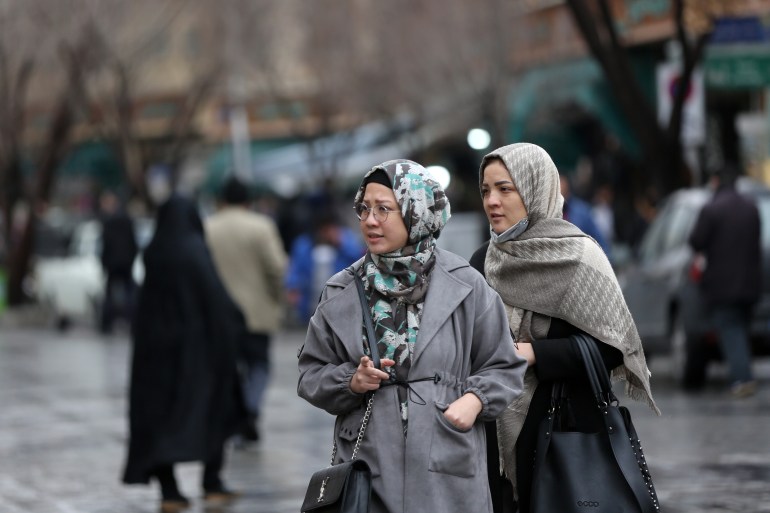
(346, 487)
(598, 472)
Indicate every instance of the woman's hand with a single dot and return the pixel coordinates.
(524, 349)
(367, 377)
(462, 413)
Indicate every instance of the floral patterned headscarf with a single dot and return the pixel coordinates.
(396, 282)
(421, 199)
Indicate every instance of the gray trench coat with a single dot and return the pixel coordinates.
(464, 341)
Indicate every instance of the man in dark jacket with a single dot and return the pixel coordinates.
(119, 248)
(727, 233)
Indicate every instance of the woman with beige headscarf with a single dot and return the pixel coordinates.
(555, 281)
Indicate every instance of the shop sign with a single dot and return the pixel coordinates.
(693, 113)
(747, 29)
(638, 11)
(738, 66)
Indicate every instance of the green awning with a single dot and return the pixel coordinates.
(93, 159)
(221, 161)
(541, 94)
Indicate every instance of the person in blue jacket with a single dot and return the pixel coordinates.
(314, 258)
(579, 213)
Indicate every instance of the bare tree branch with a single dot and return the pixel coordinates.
(76, 60)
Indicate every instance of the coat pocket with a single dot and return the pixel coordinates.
(452, 450)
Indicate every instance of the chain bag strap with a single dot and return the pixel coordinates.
(346, 487)
(375, 358)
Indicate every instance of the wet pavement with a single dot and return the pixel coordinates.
(63, 433)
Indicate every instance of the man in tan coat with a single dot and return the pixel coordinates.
(248, 253)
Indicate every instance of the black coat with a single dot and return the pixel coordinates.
(184, 399)
(119, 245)
(728, 234)
(558, 359)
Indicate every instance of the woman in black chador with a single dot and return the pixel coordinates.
(184, 400)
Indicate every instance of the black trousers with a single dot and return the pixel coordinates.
(118, 298)
(254, 356)
(499, 487)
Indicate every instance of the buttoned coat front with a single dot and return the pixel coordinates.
(463, 344)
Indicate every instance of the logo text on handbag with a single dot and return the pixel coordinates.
(588, 504)
(323, 487)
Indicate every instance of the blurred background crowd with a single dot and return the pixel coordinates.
(108, 106)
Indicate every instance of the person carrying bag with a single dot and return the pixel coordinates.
(555, 282)
(605, 471)
(447, 362)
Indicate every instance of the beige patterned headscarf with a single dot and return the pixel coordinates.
(554, 270)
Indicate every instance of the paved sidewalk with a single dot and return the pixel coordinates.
(63, 433)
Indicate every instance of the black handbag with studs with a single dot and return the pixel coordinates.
(598, 472)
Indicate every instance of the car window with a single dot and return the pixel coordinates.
(763, 204)
(86, 240)
(51, 241)
(652, 243)
(671, 228)
(681, 222)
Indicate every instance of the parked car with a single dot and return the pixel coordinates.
(661, 287)
(70, 286)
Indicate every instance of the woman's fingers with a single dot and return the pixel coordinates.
(367, 377)
(463, 412)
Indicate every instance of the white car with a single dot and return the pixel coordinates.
(71, 287)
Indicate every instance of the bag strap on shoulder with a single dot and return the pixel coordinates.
(373, 349)
(597, 373)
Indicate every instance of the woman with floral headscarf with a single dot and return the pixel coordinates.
(437, 327)
(555, 282)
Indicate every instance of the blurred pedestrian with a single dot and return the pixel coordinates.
(119, 249)
(579, 213)
(184, 398)
(315, 257)
(248, 253)
(555, 282)
(447, 357)
(727, 234)
(602, 210)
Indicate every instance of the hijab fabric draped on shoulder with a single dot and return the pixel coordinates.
(554, 270)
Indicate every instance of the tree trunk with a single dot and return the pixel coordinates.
(12, 126)
(11, 191)
(55, 147)
(662, 159)
(180, 125)
(20, 254)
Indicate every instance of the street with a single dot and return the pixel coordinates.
(63, 432)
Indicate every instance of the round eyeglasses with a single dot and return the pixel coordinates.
(380, 212)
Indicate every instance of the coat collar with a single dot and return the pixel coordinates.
(342, 311)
